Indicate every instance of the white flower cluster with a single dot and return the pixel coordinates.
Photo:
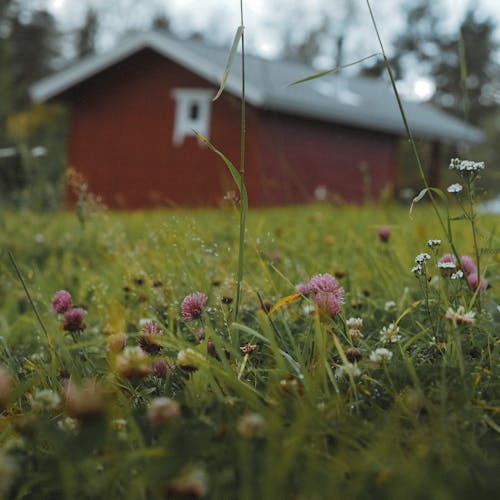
(455, 188)
(418, 269)
(389, 334)
(356, 323)
(447, 265)
(460, 317)
(44, 400)
(433, 243)
(381, 354)
(348, 369)
(421, 258)
(466, 165)
(458, 275)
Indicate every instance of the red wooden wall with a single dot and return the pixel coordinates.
(121, 141)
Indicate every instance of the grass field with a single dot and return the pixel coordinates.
(307, 409)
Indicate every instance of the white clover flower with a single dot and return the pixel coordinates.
(355, 323)
(389, 334)
(433, 243)
(380, 354)
(458, 275)
(455, 188)
(389, 305)
(348, 369)
(421, 258)
(460, 317)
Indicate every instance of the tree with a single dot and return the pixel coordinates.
(87, 35)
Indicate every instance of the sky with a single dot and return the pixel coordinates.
(267, 22)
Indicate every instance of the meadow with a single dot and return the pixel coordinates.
(379, 379)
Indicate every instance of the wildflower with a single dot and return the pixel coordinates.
(389, 305)
(354, 325)
(133, 362)
(192, 306)
(389, 334)
(44, 400)
(468, 264)
(455, 188)
(85, 401)
(200, 335)
(5, 387)
(251, 426)
(163, 410)
(381, 354)
(460, 317)
(448, 257)
(433, 243)
(149, 339)
(161, 368)
(349, 369)
(384, 233)
(189, 360)
(67, 424)
(417, 269)
(116, 342)
(466, 165)
(292, 385)
(191, 484)
(458, 275)
(74, 319)
(211, 350)
(421, 258)
(248, 348)
(475, 283)
(61, 301)
(447, 264)
(353, 355)
(328, 295)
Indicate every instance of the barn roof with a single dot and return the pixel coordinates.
(367, 103)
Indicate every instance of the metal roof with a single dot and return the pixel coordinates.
(367, 103)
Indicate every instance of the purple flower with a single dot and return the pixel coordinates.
(448, 257)
(473, 280)
(468, 264)
(384, 233)
(61, 301)
(192, 306)
(328, 294)
(74, 319)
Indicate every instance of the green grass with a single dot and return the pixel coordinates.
(423, 425)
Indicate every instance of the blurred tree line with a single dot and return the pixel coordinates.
(463, 65)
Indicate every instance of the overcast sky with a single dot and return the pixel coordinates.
(264, 19)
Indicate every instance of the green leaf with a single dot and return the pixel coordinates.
(333, 70)
(424, 191)
(234, 171)
(230, 59)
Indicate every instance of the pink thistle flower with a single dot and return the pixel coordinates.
(474, 283)
(384, 233)
(74, 319)
(328, 295)
(448, 257)
(468, 264)
(149, 340)
(192, 306)
(161, 368)
(61, 301)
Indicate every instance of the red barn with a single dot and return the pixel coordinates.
(134, 110)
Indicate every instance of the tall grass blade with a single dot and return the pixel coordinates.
(333, 70)
(230, 59)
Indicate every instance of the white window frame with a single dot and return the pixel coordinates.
(184, 123)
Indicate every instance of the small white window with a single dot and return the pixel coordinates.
(192, 112)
